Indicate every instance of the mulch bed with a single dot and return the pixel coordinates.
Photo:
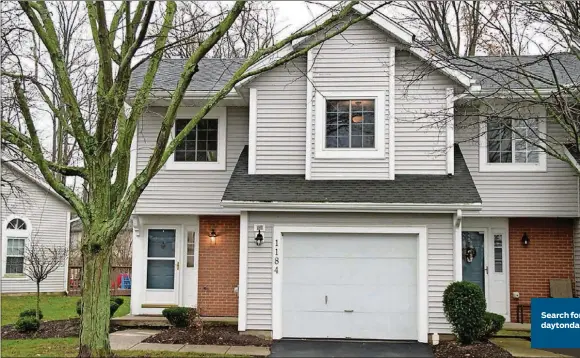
(452, 349)
(48, 329)
(212, 334)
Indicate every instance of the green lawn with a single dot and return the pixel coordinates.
(67, 347)
(53, 307)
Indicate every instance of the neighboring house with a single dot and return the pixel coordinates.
(362, 229)
(32, 213)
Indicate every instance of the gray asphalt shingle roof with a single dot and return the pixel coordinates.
(544, 71)
(405, 189)
(212, 75)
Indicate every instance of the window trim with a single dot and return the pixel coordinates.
(321, 152)
(219, 114)
(18, 234)
(485, 166)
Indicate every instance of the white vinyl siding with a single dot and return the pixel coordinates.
(48, 220)
(356, 60)
(188, 191)
(440, 257)
(577, 255)
(420, 108)
(281, 119)
(512, 194)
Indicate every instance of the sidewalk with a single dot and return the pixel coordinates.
(131, 340)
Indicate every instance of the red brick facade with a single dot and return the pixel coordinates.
(549, 255)
(218, 266)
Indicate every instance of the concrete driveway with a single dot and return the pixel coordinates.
(348, 348)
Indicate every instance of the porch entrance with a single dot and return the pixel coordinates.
(484, 253)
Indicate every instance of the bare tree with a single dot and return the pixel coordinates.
(253, 29)
(456, 27)
(123, 39)
(40, 261)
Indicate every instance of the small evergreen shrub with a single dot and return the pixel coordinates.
(31, 313)
(114, 306)
(27, 324)
(493, 323)
(464, 307)
(178, 316)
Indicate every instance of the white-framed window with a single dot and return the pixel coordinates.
(16, 234)
(509, 146)
(350, 124)
(204, 147)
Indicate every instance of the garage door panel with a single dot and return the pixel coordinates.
(316, 325)
(349, 245)
(338, 271)
(383, 326)
(374, 277)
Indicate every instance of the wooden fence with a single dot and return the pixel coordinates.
(120, 280)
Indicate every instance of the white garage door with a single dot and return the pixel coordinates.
(350, 286)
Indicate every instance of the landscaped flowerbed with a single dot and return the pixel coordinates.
(486, 349)
(219, 334)
(48, 329)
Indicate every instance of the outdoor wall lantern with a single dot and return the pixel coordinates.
(525, 239)
(212, 236)
(259, 238)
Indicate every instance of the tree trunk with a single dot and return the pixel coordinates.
(94, 335)
(38, 300)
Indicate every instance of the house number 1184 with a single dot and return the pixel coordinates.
(276, 257)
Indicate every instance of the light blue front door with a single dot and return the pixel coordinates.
(473, 254)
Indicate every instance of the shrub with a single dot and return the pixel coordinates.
(464, 307)
(179, 316)
(114, 306)
(27, 324)
(492, 323)
(31, 313)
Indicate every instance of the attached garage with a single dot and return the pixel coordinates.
(345, 283)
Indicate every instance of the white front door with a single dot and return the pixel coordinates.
(492, 277)
(350, 286)
(162, 277)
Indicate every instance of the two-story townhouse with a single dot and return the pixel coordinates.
(326, 198)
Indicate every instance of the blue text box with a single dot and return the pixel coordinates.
(555, 323)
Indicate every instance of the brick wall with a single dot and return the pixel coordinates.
(549, 255)
(218, 266)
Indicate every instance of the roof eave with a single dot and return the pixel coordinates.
(352, 207)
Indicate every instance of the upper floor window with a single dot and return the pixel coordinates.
(201, 144)
(204, 147)
(350, 125)
(510, 146)
(16, 233)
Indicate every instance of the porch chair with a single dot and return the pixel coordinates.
(561, 288)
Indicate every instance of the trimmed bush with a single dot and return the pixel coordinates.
(31, 313)
(178, 316)
(27, 324)
(464, 307)
(114, 306)
(493, 323)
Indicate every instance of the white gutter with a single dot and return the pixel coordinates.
(349, 207)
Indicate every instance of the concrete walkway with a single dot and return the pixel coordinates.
(131, 340)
